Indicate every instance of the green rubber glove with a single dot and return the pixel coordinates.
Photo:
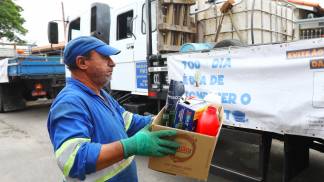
(147, 143)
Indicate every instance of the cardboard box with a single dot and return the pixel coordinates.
(194, 155)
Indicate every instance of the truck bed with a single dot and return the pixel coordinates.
(30, 66)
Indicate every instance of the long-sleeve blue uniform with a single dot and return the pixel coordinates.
(79, 122)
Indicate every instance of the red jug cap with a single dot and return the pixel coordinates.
(212, 109)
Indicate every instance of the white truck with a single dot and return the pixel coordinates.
(270, 90)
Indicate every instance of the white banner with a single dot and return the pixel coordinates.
(277, 88)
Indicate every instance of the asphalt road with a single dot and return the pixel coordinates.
(26, 153)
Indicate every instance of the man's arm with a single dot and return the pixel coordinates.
(70, 130)
(144, 142)
(109, 154)
(133, 122)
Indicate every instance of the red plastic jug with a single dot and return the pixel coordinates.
(208, 123)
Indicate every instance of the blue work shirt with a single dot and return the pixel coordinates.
(78, 112)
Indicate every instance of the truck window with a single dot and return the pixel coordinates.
(125, 25)
(153, 19)
(74, 29)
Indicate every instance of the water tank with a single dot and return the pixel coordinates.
(189, 47)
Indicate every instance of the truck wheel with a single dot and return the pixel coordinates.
(228, 42)
(11, 98)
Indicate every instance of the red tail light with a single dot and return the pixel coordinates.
(38, 90)
(38, 86)
(152, 94)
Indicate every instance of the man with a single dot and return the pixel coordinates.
(94, 138)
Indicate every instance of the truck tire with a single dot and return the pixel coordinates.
(11, 97)
(228, 42)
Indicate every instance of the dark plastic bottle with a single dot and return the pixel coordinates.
(176, 90)
(208, 123)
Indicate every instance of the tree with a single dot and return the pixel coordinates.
(11, 21)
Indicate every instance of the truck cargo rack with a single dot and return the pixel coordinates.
(35, 66)
(311, 28)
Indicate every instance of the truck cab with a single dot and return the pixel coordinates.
(125, 29)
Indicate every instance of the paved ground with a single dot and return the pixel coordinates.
(26, 154)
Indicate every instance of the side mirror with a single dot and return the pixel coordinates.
(100, 21)
(52, 32)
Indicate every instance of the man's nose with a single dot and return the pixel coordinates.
(111, 63)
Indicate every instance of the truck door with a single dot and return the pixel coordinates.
(123, 38)
(140, 51)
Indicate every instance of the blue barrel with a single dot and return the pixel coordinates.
(189, 47)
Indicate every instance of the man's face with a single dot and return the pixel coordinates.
(100, 69)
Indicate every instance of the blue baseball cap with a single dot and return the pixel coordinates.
(80, 46)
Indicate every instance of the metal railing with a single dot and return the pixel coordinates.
(8, 50)
(311, 28)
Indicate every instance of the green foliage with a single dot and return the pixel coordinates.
(11, 21)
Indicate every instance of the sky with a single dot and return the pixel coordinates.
(37, 13)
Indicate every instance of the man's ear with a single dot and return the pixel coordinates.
(80, 62)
